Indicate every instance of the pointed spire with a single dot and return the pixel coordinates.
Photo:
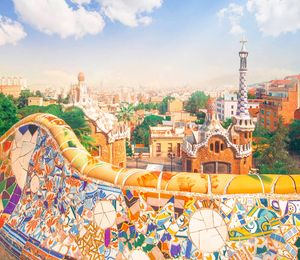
(212, 123)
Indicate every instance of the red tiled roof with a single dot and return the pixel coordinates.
(280, 81)
(293, 77)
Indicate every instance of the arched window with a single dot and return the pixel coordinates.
(211, 147)
(222, 147)
(217, 146)
(158, 147)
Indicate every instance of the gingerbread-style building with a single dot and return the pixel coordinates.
(109, 135)
(213, 149)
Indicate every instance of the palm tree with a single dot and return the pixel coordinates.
(126, 112)
(76, 120)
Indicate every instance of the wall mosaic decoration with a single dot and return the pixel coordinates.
(58, 202)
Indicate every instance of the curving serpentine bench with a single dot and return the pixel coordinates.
(58, 202)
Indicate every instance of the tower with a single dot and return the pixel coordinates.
(242, 109)
(80, 92)
(212, 148)
(242, 119)
(243, 126)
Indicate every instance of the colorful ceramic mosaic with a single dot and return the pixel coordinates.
(58, 202)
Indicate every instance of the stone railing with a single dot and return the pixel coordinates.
(58, 202)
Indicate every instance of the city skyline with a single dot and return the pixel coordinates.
(147, 43)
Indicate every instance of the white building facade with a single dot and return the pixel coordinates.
(226, 107)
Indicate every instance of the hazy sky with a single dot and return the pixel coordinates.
(151, 43)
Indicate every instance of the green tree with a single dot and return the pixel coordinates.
(126, 112)
(294, 135)
(261, 132)
(151, 106)
(142, 132)
(227, 123)
(60, 99)
(153, 120)
(163, 106)
(66, 100)
(139, 106)
(23, 98)
(128, 149)
(8, 114)
(75, 118)
(200, 115)
(11, 97)
(54, 110)
(200, 121)
(274, 158)
(147, 107)
(261, 140)
(38, 93)
(196, 101)
(251, 96)
(51, 109)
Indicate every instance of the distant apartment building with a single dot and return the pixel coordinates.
(295, 79)
(156, 99)
(39, 101)
(282, 101)
(227, 106)
(182, 116)
(260, 92)
(143, 99)
(52, 93)
(175, 110)
(175, 105)
(116, 99)
(165, 139)
(35, 101)
(12, 86)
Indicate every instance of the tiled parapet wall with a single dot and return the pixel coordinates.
(59, 202)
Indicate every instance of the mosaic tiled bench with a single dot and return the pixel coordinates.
(58, 202)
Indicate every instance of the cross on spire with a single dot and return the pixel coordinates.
(243, 41)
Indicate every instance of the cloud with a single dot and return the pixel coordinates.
(275, 17)
(129, 12)
(81, 2)
(233, 13)
(57, 17)
(10, 31)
